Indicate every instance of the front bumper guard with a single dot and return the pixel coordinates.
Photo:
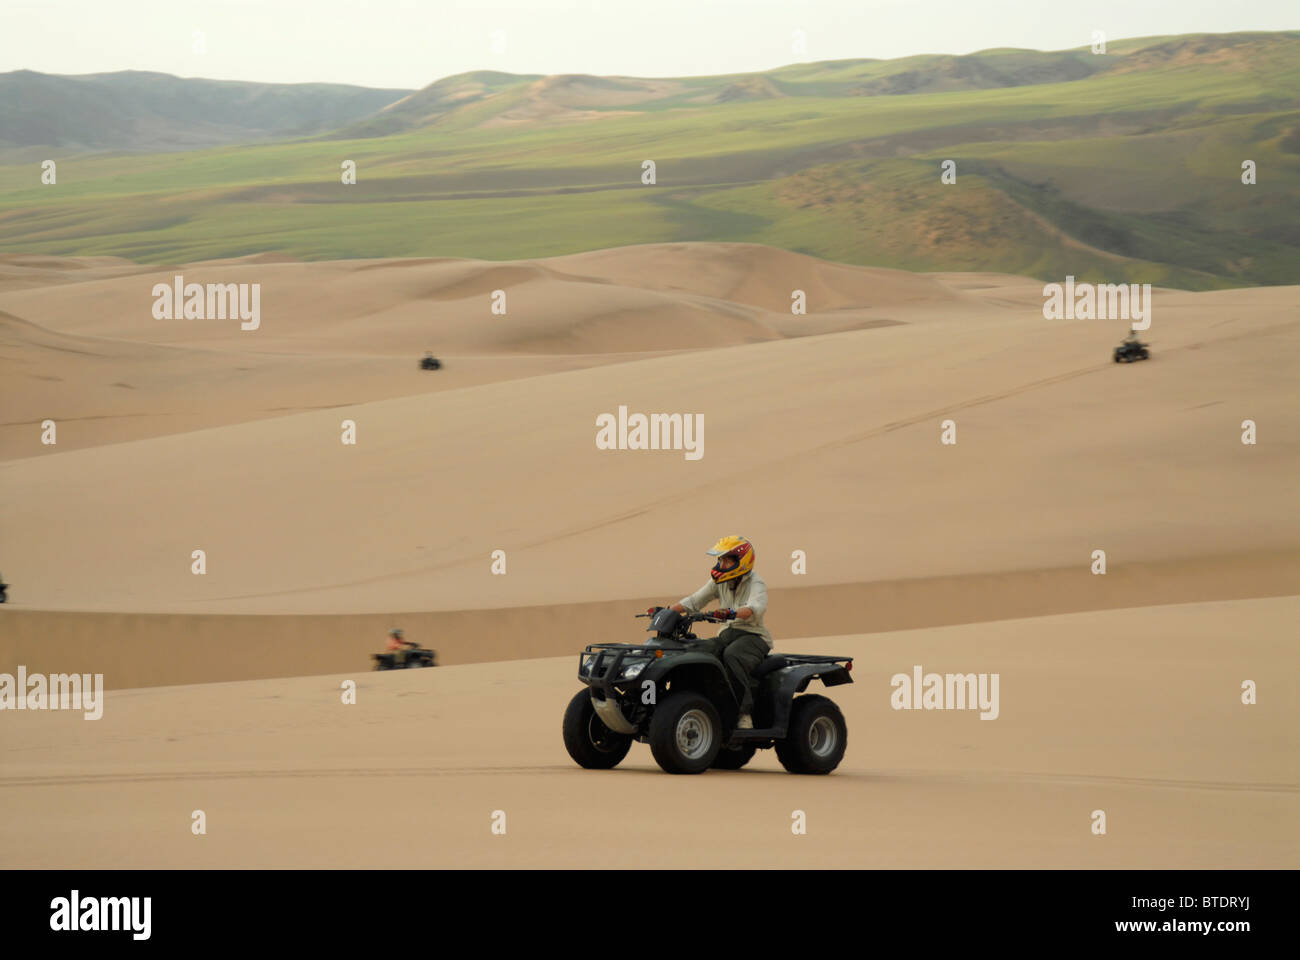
(601, 666)
(611, 716)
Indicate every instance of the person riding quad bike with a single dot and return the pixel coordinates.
(430, 362)
(403, 654)
(397, 646)
(742, 646)
(671, 693)
(1131, 349)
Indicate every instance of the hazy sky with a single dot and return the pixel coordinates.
(410, 43)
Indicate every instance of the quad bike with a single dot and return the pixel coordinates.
(4, 588)
(1131, 350)
(415, 657)
(681, 702)
(430, 362)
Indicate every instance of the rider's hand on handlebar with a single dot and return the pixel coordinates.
(724, 614)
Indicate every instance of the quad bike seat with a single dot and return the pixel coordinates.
(775, 661)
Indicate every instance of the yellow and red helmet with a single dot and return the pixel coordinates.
(738, 548)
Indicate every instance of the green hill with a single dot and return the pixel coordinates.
(1125, 166)
(135, 110)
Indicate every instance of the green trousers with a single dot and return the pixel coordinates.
(740, 652)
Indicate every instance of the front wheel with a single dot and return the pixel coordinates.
(685, 733)
(592, 744)
(816, 738)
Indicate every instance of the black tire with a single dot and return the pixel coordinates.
(674, 747)
(816, 738)
(734, 759)
(590, 743)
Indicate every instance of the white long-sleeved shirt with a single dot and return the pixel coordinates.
(749, 591)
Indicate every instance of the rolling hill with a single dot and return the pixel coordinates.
(1123, 166)
(141, 111)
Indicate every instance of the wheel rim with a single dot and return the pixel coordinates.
(694, 734)
(822, 737)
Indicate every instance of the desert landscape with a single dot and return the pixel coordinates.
(224, 689)
(835, 270)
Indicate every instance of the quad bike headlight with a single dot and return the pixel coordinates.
(632, 670)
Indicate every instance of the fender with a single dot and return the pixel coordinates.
(695, 669)
(794, 680)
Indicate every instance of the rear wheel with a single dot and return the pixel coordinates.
(592, 744)
(685, 733)
(734, 759)
(817, 736)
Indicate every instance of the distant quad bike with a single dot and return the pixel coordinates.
(4, 587)
(1131, 350)
(690, 723)
(430, 362)
(415, 657)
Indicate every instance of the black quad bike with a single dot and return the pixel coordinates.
(415, 657)
(680, 701)
(430, 362)
(1131, 350)
(4, 591)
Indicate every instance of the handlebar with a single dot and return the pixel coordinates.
(688, 617)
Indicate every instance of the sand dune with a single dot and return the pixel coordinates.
(167, 649)
(79, 342)
(763, 277)
(1134, 712)
(821, 438)
(827, 444)
(104, 390)
(654, 298)
(21, 271)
